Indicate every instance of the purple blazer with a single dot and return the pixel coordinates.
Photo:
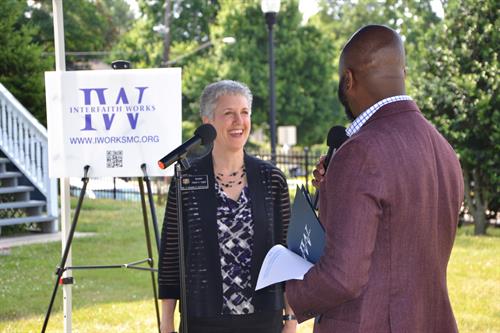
(389, 205)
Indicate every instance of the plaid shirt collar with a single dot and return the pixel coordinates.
(363, 117)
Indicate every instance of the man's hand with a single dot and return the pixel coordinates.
(319, 172)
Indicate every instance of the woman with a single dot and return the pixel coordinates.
(229, 227)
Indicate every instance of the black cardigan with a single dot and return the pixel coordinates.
(270, 204)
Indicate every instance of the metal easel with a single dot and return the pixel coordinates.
(132, 265)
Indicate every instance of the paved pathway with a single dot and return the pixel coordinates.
(7, 242)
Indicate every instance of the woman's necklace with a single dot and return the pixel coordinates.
(232, 179)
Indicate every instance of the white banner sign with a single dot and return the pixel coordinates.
(112, 120)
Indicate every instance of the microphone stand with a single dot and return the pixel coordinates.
(181, 165)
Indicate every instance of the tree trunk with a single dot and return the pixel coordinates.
(159, 190)
(167, 36)
(476, 203)
(480, 222)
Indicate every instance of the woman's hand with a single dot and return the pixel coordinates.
(289, 327)
(319, 172)
(290, 324)
(167, 315)
(167, 327)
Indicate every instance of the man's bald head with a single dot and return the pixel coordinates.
(372, 48)
(373, 63)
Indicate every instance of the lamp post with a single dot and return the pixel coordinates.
(271, 9)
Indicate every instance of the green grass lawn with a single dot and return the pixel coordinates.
(120, 300)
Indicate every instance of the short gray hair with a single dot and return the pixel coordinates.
(213, 91)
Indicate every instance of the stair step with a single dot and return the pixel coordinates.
(16, 189)
(4, 160)
(22, 204)
(10, 174)
(26, 219)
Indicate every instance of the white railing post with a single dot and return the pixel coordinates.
(3, 121)
(25, 142)
(9, 130)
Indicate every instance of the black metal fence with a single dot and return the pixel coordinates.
(297, 165)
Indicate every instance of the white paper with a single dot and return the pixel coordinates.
(281, 264)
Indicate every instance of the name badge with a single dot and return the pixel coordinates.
(192, 182)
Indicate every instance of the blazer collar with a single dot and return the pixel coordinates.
(394, 108)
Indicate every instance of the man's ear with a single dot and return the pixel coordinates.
(205, 119)
(349, 80)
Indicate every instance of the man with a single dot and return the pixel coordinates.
(389, 204)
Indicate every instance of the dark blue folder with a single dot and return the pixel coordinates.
(306, 236)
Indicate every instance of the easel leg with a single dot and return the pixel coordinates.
(150, 252)
(62, 266)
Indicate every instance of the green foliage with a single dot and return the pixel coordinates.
(139, 45)
(188, 128)
(458, 85)
(452, 69)
(117, 17)
(27, 39)
(191, 19)
(88, 25)
(304, 84)
(452, 64)
(189, 26)
(21, 61)
(339, 20)
(305, 89)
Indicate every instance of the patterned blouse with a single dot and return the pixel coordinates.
(235, 232)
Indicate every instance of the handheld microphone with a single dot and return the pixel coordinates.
(203, 135)
(336, 137)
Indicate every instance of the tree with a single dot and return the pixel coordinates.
(118, 19)
(305, 89)
(88, 26)
(140, 45)
(458, 82)
(166, 30)
(26, 36)
(21, 62)
(339, 20)
(191, 19)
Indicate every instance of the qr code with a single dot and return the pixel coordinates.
(114, 159)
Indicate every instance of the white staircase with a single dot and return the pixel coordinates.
(27, 195)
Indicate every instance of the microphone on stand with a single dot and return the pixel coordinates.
(336, 137)
(203, 135)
